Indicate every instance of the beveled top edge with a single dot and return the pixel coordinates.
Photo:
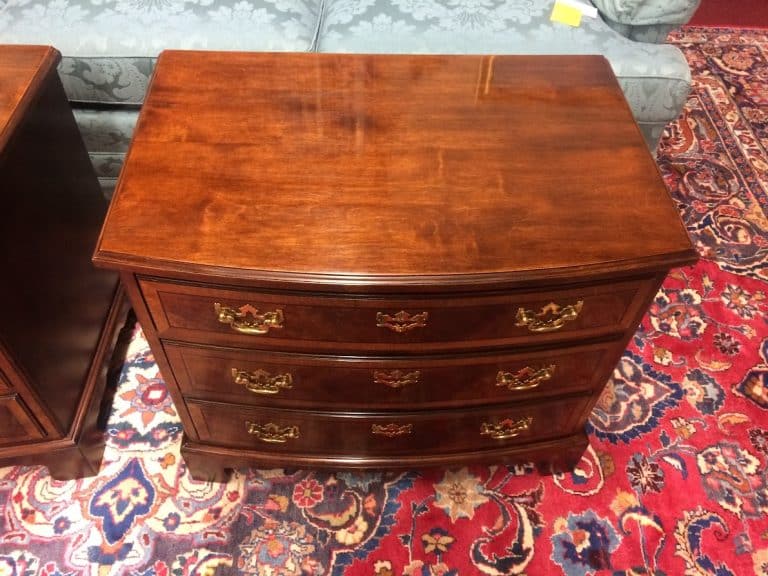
(384, 284)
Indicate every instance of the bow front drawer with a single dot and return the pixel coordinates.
(370, 383)
(225, 316)
(379, 434)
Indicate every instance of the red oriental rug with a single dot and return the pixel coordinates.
(675, 481)
(735, 13)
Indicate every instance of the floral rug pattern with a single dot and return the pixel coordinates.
(675, 480)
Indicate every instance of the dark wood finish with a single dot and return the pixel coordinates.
(5, 386)
(481, 196)
(549, 456)
(405, 167)
(350, 434)
(60, 315)
(16, 423)
(313, 321)
(378, 383)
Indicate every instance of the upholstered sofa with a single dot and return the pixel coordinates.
(109, 46)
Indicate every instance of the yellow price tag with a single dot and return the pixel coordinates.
(565, 14)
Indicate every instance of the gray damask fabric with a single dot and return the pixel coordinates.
(110, 46)
(105, 130)
(107, 135)
(655, 78)
(647, 12)
(146, 27)
(107, 167)
(108, 186)
(656, 33)
(106, 80)
(652, 132)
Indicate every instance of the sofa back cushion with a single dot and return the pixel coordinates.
(135, 28)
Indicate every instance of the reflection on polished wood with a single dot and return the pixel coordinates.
(396, 150)
(367, 222)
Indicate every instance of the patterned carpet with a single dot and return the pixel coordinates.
(674, 482)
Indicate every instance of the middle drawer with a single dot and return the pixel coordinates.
(370, 383)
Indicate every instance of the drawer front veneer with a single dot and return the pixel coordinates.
(240, 318)
(16, 422)
(374, 434)
(431, 382)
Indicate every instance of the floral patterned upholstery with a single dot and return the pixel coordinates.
(655, 77)
(107, 134)
(115, 80)
(646, 20)
(647, 12)
(130, 28)
(110, 46)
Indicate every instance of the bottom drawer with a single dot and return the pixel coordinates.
(374, 434)
(16, 422)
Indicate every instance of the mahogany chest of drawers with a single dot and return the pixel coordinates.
(387, 261)
(60, 316)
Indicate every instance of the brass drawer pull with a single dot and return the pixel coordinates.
(402, 321)
(272, 433)
(552, 317)
(506, 429)
(261, 381)
(391, 430)
(239, 320)
(396, 378)
(526, 378)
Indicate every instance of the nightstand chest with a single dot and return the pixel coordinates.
(388, 261)
(60, 318)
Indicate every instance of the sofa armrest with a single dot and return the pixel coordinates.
(646, 20)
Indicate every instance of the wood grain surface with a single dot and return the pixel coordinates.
(396, 167)
(325, 246)
(22, 70)
(60, 315)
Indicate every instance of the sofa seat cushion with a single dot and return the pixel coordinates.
(655, 78)
(107, 134)
(132, 28)
(106, 95)
(117, 81)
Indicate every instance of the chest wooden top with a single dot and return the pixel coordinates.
(22, 68)
(389, 169)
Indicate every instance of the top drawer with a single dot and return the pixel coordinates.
(230, 316)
